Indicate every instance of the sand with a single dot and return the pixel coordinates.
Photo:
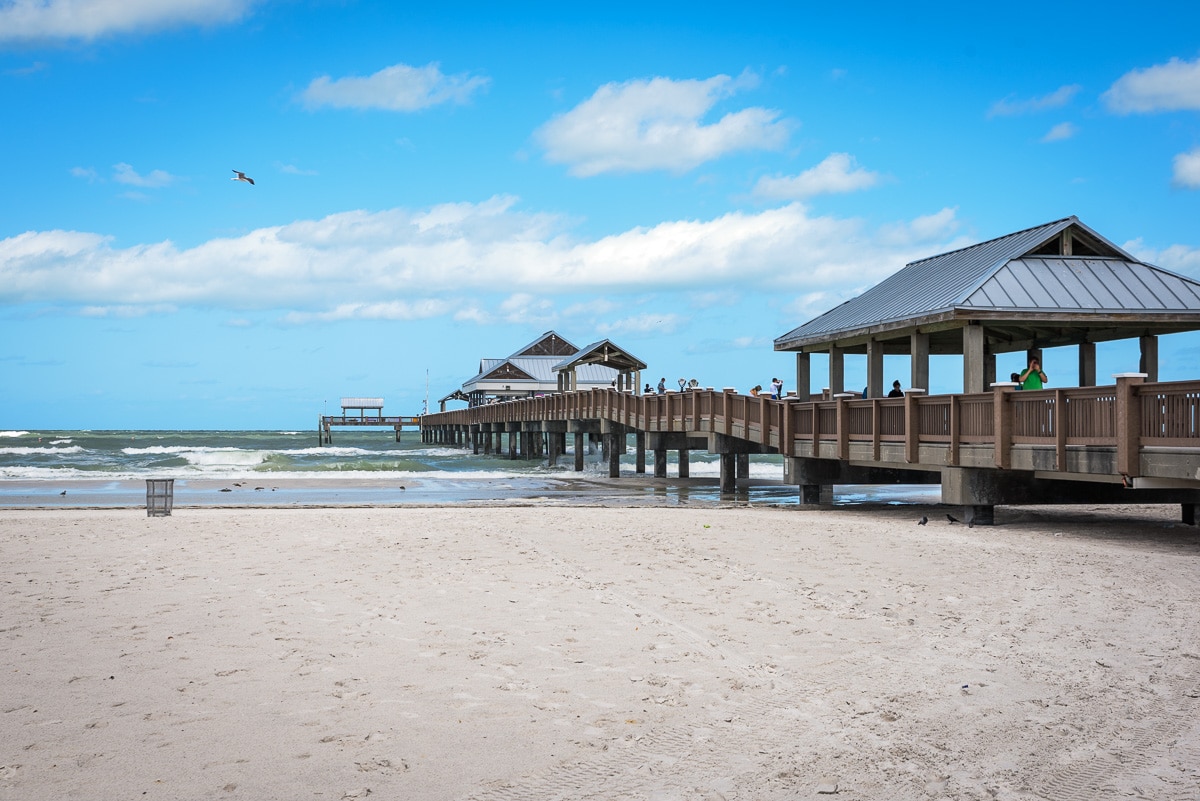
(587, 653)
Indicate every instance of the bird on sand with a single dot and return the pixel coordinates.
(64, 492)
(923, 520)
(951, 519)
(241, 176)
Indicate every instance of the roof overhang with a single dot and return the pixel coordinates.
(1004, 330)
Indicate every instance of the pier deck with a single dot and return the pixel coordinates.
(1131, 442)
(326, 424)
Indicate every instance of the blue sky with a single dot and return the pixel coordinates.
(435, 184)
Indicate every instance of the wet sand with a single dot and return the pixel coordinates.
(552, 652)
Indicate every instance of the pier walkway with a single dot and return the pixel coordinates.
(1131, 442)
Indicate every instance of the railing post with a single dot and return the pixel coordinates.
(843, 425)
(1002, 423)
(912, 426)
(1128, 423)
(1060, 430)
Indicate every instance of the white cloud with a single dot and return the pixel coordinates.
(361, 264)
(641, 325)
(390, 310)
(1187, 169)
(1064, 130)
(1176, 258)
(86, 173)
(1172, 86)
(90, 19)
(396, 88)
(1011, 106)
(657, 124)
(125, 174)
(838, 173)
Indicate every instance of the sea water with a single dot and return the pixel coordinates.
(361, 466)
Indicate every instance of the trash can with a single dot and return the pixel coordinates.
(160, 496)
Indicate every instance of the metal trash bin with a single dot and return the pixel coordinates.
(160, 496)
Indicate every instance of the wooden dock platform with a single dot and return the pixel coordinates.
(1132, 442)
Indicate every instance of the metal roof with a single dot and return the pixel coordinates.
(603, 352)
(1084, 283)
(1008, 274)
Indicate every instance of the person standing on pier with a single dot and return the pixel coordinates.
(1033, 377)
(662, 386)
(776, 389)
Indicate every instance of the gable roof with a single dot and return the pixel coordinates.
(548, 344)
(1062, 270)
(603, 353)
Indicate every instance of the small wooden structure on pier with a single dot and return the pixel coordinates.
(326, 423)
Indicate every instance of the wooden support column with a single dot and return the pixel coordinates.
(803, 376)
(875, 368)
(1148, 363)
(660, 462)
(616, 446)
(728, 473)
(684, 464)
(1128, 423)
(639, 445)
(1087, 364)
(837, 369)
(973, 366)
(918, 346)
(743, 465)
(578, 451)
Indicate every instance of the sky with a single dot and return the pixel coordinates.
(435, 184)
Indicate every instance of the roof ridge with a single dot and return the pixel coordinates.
(1050, 224)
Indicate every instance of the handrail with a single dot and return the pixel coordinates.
(1129, 415)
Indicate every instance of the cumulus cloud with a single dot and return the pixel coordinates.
(641, 325)
(1012, 106)
(658, 124)
(396, 88)
(125, 174)
(1064, 130)
(838, 173)
(91, 19)
(1176, 258)
(361, 264)
(1187, 169)
(1172, 86)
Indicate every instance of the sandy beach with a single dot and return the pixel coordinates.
(597, 653)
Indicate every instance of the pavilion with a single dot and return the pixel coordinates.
(551, 364)
(1057, 284)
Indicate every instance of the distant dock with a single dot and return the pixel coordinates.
(327, 422)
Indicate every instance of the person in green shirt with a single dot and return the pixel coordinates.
(1033, 377)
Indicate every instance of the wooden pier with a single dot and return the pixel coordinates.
(326, 423)
(1131, 442)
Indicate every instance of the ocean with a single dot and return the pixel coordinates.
(361, 467)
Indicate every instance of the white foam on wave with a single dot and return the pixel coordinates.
(44, 451)
(14, 434)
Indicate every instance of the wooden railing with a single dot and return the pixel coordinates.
(1127, 416)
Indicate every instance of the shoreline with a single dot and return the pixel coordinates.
(331, 490)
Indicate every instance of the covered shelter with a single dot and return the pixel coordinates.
(532, 371)
(456, 395)
(603, 354)
(1057, 284)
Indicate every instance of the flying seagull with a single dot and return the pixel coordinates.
(241, 176)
